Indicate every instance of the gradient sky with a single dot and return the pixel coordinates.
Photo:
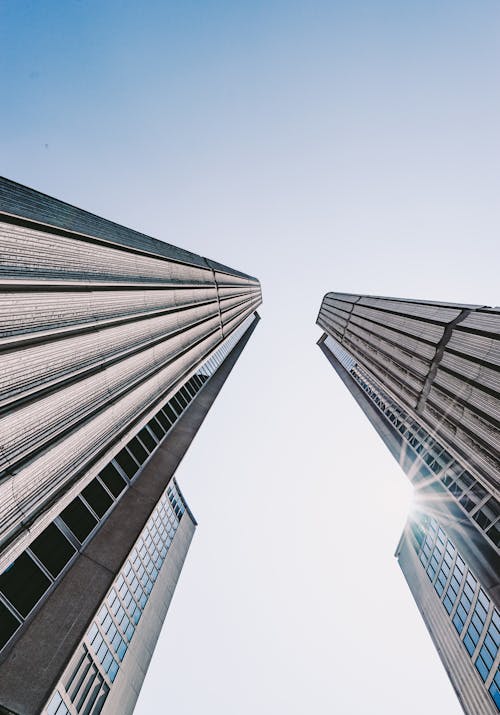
(319, 146)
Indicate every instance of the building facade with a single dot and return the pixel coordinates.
(427, 376)
(113, 347)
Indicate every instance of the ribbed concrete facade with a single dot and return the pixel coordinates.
(112, 345)
(427, 375)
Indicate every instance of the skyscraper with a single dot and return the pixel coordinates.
(427, 376)
(113, 347)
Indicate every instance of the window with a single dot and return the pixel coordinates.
(157, 428)
(56, 706)
(113, 480)
(458, 623)
(163, 420)
(79, 519)
(97, 497)
(467, 503)
(8, 624)
(494, 534)
(137, 450)
(53, 549)
(191, 387)
(147, 439)
(495, 689)
(484, 662)
(170, 413)
(178, 407)
(186, 394)
(23, 583)
(127, 463)
(469, 643)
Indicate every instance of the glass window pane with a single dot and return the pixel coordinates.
(147, 439)
(127, 463)
(186, 394)
(8, 625)
(483, 670)
(137, 450)
(79, 519)
(495, 694)
(163, 420)
(98, 498)
(172, 416)
(494, 534)
(23, 583)
(157, 428)
(53, 549)
(113, 480)
(178, 407)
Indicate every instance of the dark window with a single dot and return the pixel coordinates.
(479, 492)
(465, 481)
(178, 407)
(137, 450)
(170, 413)
(113, 480)
(494, 534)
(186, 394)
(163, 420)
(192, 386)
(98, 498)
(8, 625)
(79, 519)
(126, 462)
(467, 503)
(446, 479)
(53, 549)
(24, 583)
(157, 428)
(482, 519)
(147, 438)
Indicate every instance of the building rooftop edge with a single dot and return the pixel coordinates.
(442, 304)
(20, 201)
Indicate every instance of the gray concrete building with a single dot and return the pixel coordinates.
(427, 376)
(113, 347)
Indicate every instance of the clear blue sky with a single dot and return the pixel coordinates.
(320, 146)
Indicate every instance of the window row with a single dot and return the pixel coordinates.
(108, 638)
(464, 600)
(28, 579)
(468, 492)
